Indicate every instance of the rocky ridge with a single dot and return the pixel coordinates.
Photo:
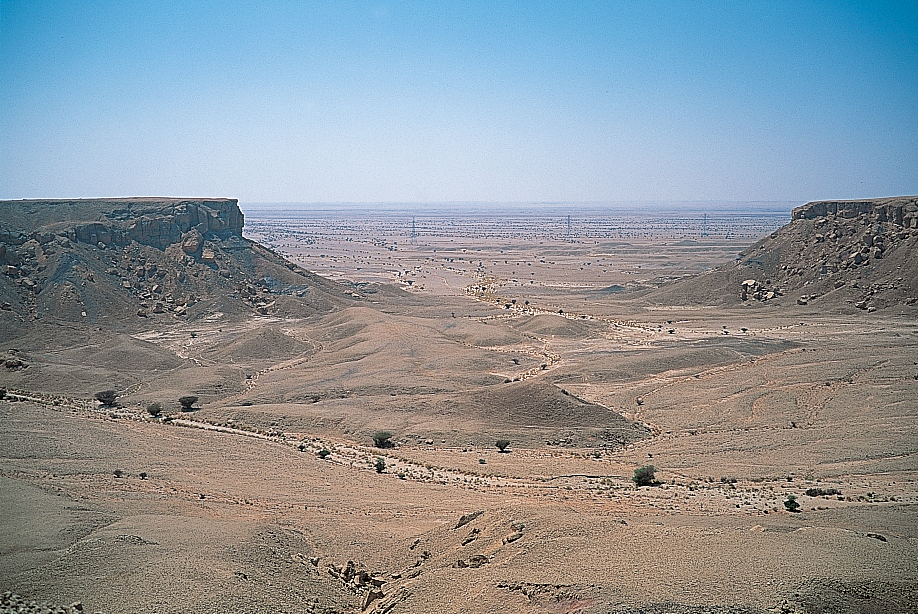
(843, 255)
(118, 221)
(129, 259)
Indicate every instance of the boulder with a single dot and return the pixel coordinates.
(192, 241)
(477, 560)
(370, 597)
(512, 537)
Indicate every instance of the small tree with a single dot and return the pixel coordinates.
(380, 464)
(107, 397)
(502, 444)
(323, 452)
(644, 476)
(791, 503)
(154, 409)
(187, 401)
(381, 439)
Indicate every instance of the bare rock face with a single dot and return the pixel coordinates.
(98, 261)
(843, 255)
(162, 224)
(192, 242)
(902, 211)
(158, 222)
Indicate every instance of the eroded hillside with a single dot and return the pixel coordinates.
(270, 493)
(835, 255)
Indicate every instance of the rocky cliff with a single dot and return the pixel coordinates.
(838, 255)
(901, 211)
(124, 262)
(118, 221)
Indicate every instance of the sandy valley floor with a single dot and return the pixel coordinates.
(257, 500)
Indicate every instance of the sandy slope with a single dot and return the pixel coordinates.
(231, 508)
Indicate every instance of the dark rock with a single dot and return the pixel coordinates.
(372, 596)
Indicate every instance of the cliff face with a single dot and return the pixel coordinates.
(837, 255)
(127, 262)
(155, 222)
(901, 211)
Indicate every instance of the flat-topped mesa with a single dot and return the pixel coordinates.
(162, 223)
(158, 222)
(899, 210)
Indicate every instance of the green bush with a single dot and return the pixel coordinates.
(381, 439)
(502, 444)
(324, 452)
(644, 476)
(822, 492)
(380, 465)
(187, 401)
(791, 503)
(107, 397)
(154, 409)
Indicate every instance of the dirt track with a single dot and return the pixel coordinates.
(230, 507)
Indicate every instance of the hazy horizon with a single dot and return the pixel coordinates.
(470, 207)
(461, 101)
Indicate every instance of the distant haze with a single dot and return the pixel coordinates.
(459, 101)
(274, 210)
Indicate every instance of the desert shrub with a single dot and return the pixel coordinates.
(187, 401)
(821, 492)
(791, 503)
(323, 452)
(118, 473)
(380, 465)
(502, 444)
(2, 392)
(382, 439)
(154, 409)
(644, 476)
(106, 397)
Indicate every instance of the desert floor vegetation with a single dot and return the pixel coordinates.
(675, 446)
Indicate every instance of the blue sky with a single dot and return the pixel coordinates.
(282, 101)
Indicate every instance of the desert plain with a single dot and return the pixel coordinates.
(750, 358)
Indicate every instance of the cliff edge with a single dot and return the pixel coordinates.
(839, 255)
(128, 262)
(157, 222)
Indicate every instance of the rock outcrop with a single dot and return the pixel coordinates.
(846, 255)
(120, 260)
(155, 222)
(902, 211)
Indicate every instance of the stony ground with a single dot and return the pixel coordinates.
(268, 495)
